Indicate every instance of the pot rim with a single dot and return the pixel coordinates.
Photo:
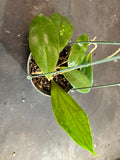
(28, 72)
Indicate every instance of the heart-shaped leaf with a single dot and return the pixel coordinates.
(88, 71)
(44, 43)
(71, 117)
(78, 51)
(64, 28)
(77, 79)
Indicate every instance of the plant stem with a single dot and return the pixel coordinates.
(113, 54)
(100, 86)
(76, 67)
(97, 42)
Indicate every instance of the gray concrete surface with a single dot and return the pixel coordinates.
(27, 124)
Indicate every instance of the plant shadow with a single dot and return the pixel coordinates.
(15, 29)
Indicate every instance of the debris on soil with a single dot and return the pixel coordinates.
(35, 7)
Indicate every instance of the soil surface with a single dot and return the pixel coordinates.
(42, 83)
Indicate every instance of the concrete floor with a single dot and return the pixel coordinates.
(27, 124)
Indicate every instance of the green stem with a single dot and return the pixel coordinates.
(97, 42)
(76, 67)
(100, 86)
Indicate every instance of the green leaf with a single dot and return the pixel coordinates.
(44, 43)
(64, 28)
(88, 71)
(77, 79)
(78, 51)
(71, 117)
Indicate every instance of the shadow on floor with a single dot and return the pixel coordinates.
(15, 28)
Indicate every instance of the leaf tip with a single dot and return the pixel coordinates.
(93, 152)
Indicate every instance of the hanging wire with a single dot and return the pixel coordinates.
(76, 67)
(97, 42)
(100, 86)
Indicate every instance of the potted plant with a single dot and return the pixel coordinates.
(57, 66)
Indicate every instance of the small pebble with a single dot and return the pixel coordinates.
(94, 145)
(115, 60)
(13, 154)
(23, 100)
(7, 31)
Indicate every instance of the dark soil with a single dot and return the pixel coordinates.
(42, 83)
